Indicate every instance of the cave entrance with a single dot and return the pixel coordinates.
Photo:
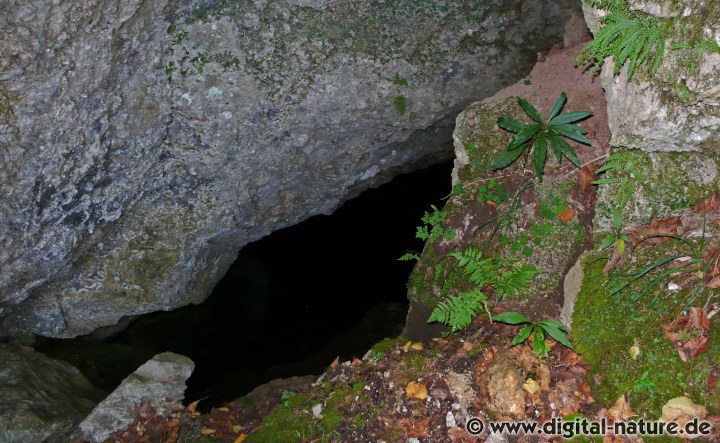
(293, 301)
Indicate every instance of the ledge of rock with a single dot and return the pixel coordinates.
(41, 399)
(158, 384)
(145, 142)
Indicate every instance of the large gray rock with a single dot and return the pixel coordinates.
(677, 109)
(160, 382)
(41, 399)
(143, 143)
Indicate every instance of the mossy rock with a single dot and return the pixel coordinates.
(606, 326)
(293, 420)
(666, 183)
(532, 232)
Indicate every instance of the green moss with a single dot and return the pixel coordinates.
(388, 345)
(683, 93)
(604, 329)
(413, 365)
(293, 420)
(482, 138)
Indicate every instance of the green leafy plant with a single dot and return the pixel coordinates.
(624, 166)
(399, 80)
(459, 311)
(541, 134)
(409, 256)
(377, 355)
(538, 330)
(636, 41)
(644, 384)
(692, 262)
(458, 190)
(508, 279)
(505, 278)
(492, 192)
(287, 397)
(433, 226)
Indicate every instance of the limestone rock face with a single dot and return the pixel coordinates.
(143, 143)
(41, 399)
(677, 109)
(159, 383)
(666, 126)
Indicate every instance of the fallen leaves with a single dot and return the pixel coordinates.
(416, 390)
(566, 215)
(414, 346)
(531, 386)
(682, 409)
(335, 363)
(710, 204)
(634, 350)
(689, 333)
(585, 178)
(415, 427)
(621, 410)
(208, 431)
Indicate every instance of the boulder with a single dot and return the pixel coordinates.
(143, 143)
(678, 108)
(41, 399)
(665, 126)
(535, 234)
(501, 385)
(159, 383)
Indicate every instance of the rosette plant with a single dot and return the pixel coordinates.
(541, 134)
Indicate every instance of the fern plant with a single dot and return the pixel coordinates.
(459, 311)
(507, 279)
(551, 327)
(434, 226)
(637, 41)
(542, 133)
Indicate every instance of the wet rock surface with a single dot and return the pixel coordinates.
(41, 399)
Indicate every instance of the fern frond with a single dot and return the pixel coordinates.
(459, 311)
(515, 280)
(480, 271)
(629, 40)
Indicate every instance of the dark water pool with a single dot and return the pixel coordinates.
(293, 301)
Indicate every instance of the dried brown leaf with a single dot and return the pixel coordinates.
(566, 215)
(621, 410)
(585, 178)
(417, 390)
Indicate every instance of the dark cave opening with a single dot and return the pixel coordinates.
(292, 301)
